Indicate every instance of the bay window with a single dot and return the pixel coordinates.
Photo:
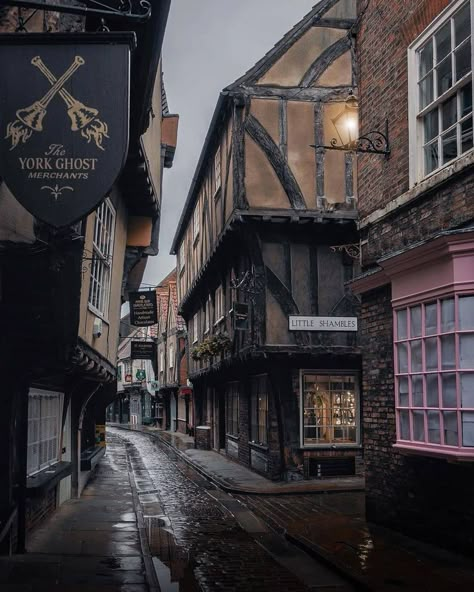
(440, 91)
(434, 375)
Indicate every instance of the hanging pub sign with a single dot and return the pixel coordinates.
(142, 350)
(143, 310)
(64, 121)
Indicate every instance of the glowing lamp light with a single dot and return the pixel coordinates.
(347, 123)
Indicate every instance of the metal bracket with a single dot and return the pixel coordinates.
(352, 250)
(374, 142)
(137, 11)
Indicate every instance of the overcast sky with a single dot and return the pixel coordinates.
(208, 45)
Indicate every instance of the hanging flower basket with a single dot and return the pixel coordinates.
(211, 347)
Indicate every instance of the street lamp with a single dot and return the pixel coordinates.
(346, 124)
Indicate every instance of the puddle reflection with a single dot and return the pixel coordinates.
(173, 565)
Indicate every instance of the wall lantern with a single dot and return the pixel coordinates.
(347, 129)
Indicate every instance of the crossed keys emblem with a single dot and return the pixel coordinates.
(83, 118)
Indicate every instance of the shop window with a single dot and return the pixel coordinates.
(103, 246)
(330, 409)
(434, 375)
(232, 408)
(440, 92)
(44, 429)
(259, 410)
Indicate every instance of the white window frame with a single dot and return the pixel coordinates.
(207, 315)
(102, 258)
(195, 328)
(171, 356)
(332, 444)
(415, 114)
(196, 223)
(219, 304)
(182, 257)
(217, 171)
(162, 363)
(435, 374)
(45, 412)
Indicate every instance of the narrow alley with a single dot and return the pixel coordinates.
(148, 522)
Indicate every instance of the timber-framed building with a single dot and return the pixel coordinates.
(265, 235)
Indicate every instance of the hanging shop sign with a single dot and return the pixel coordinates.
(142, 350)
(302, 323)
(140, 375)
(143, 310)
(64, 121)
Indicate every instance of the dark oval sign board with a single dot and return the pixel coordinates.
(64, 120)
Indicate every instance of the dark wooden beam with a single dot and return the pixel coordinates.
(335, 23)
(263, 139)
(301, 94)
(328, 56)
(238, 150)
(283, 127)
(319, 155)
(287, 304)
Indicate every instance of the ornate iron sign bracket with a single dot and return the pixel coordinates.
(113, 10)
(374, 142)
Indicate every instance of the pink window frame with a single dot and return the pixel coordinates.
(460, 452)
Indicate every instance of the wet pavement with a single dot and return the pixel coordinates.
(203, 539)
(331, 526)
(90, 544)
(235, 478)
(147, 522)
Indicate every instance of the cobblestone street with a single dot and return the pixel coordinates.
(206, 540)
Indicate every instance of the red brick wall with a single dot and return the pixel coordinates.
(387, 28)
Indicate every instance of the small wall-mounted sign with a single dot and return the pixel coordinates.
(64, 120)
(302, 323)
(142, 350)
(143, 309)
(128, 378)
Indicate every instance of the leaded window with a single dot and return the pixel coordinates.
(330, 409)
(442, 100)
(101, 267)
(44, 429)
(259, 410)
(434, 374)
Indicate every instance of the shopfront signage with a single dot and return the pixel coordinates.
(143, 309)
(64, 121)
(302, 323)
(142, 350)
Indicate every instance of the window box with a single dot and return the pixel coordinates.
(441, 92)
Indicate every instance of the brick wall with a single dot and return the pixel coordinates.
(428, 498)
(450, 206)
(383, 91)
